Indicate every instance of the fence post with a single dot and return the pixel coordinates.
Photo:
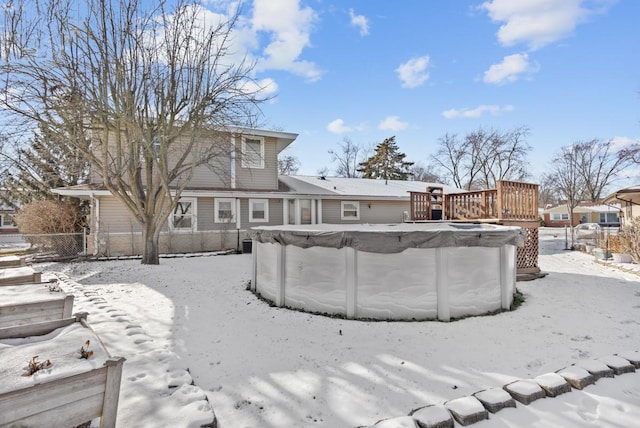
(84, 241)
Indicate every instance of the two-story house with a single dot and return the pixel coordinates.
(219, 206)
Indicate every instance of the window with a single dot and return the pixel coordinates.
(183, 215)
(258, 210)
(225, 210)
(609, 218)
(559, 216)
(350, 210)
(252, 152)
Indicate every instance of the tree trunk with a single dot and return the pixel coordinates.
(150, 236)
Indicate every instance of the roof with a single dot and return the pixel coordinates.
(625, 194)
(326, 187)
(340, 187)
(601, 208)
(283, 139)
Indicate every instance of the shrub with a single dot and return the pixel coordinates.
(629, 237)
(47, 217)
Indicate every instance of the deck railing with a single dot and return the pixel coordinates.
(481, 204)
(511, 200)
(511, 203)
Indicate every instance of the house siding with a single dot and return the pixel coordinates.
(217, 173)
(275, 213)
(380, 211)
(258, 178)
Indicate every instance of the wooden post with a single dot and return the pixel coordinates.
(68, 306)
(111, 392)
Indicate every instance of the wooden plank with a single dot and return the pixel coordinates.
(112, 392)
(32, 311)
(49, 395)
(68, 415)
(67, 309)
(38, 329)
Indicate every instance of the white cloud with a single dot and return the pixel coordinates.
(338, 127)
(476, 112)
(414, 73)
(538, 23)
(510, 69)
(265, 87)
(619, 143)
(289, 27)
(392, 123)
(359, 21)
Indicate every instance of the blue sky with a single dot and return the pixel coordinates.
(569, 70)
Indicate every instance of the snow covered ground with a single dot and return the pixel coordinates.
(260, 366)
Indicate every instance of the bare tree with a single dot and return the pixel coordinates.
(483, 157)
(569, 181)
(427, 174)
(348, 156)
(502, 156)
(146, 91)
(599, 165)
(547, 190)
(288, 164)
(452, 157)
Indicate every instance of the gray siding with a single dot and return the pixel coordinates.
(217, 173)
(380, 211)
(205, 214)
(115, 217)
(275, 213)
(258, 178)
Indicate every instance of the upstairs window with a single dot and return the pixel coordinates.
(225, 210)
(350, 210)
(183, 215)
(258, 210)
(252, 152)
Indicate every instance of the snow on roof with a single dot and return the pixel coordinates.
(358, 187)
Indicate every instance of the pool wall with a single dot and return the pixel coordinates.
(429, 283)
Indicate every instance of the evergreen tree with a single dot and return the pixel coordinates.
(45, 162)
(386, 163)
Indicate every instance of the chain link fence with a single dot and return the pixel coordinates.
(45, 247)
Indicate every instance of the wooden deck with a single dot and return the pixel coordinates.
(511, 203)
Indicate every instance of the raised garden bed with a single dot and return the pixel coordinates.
(33, 303)
(19, 275)
(71, 390)
(11, 261)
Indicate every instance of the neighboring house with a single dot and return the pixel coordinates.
(604, 215)
(629, 199)
(216, 210)
(6, 219)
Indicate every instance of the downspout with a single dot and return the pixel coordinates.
(96, 229)
(233, 162)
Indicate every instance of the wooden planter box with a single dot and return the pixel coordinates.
(71, 391)
(32, 303)
(19, 275)
(11, 261)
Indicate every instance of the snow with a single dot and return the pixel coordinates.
(257, 365)
(28, 293)
(61, 347)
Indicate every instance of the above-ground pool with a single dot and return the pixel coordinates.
(388, 272)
